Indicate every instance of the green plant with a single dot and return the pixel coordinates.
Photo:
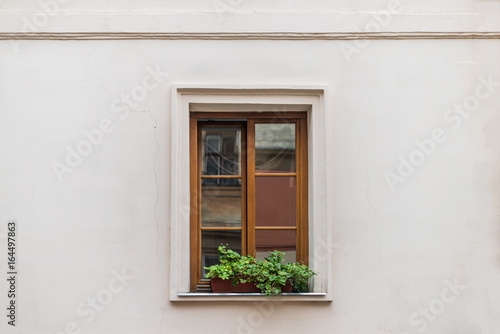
(299, 274)
(232, 266)
(270, 275)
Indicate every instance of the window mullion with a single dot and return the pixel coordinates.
(244, 196)
(250, 162)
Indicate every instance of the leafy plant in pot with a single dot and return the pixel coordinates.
(246, 274)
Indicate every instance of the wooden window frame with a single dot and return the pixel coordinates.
(247, 176)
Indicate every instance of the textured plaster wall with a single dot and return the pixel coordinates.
(249, 15)
(420, 256)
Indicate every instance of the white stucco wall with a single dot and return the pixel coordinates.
(396, 250)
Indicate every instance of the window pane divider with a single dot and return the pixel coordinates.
(221, 176)
(222, 228)
(275, 228)
(275, 174)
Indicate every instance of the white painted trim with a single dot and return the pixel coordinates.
(238, 297)
(222, 98)
(242, 23)
(246, 35)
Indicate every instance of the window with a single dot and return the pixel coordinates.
(259, 104)
(248, 177)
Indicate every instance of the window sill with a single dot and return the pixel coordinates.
(283, 297)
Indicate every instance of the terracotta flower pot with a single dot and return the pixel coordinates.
(220, 285)
(287, 288)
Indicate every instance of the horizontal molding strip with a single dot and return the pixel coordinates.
(244, 35)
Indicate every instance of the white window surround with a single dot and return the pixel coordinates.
(250, 99)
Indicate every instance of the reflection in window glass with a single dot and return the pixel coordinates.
(274, 147)
(211, 240)
(220, 152)
(275, 201)
(221, 204)
(269, 240)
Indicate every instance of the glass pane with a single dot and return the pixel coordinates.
(221, 204)
(269, 240)
(221, 151)
(275, 201)
(274, 147)
(211, 240)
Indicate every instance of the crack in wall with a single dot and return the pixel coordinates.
(162, 316)
(105, 90)
(88, 58)
(106, 15)
(155, 215)
(157, 190)
(367, 175)
(367, 193)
